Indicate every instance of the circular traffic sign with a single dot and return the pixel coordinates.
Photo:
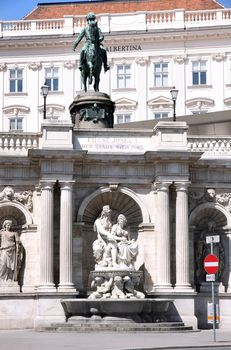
(211, 264)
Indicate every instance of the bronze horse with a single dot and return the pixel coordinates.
(92, 67)
(92, 63)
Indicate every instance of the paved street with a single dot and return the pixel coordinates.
(30, 340)
(206, 348)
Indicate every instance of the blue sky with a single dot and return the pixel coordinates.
(16, 9)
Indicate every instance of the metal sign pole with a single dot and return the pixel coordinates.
(213, 302)
(211, 265)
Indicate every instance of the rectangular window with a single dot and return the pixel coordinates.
(16, 80)
(199, 112)
(161, 74)
(52, 78)
(123, 76)
(123, 118)
(161, 115)
(16, 124)
(199, 73)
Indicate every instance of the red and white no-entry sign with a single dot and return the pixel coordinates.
(211, 264)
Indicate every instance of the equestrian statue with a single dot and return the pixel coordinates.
(93, 53)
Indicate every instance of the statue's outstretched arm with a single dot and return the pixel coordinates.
(79, 38)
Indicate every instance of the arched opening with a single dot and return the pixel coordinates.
(13, 212)
(208, 219)
(120, 203)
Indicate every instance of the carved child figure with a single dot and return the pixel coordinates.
(117, 291)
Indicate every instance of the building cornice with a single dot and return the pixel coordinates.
(119, 38)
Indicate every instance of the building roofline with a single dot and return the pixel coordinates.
(206, 119)
(81, 2)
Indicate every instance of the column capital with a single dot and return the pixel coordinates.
(162, 186)
(46, 184)
(66, 184)
(182, 185)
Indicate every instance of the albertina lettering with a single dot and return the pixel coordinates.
(123, 48)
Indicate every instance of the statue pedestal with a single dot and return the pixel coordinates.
(9, 287)
(92, 110)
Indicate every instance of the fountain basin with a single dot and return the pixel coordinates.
(136, 309)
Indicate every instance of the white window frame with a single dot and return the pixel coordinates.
(198, 112)
(51, 89)
(124, 75)
(16, 119)
(227, 76)
(199, 71)
(123, 116)
(161, 114)
(161, 74)
(7, 88)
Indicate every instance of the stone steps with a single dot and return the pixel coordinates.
(116, 327)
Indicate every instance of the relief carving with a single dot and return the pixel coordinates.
(24, 197)
(209, 195)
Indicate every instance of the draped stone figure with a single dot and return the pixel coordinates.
(105, 247)
(127, 248)
(10, 253)
(115, 252)
(113, 247)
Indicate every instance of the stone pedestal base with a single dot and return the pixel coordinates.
(9, 287)
(92, 110)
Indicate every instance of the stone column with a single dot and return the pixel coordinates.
(163, 239)
(65, 280)
(46, 239)
(182, 238)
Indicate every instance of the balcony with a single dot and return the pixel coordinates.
(18, 144)
(109, 23)
(212, 147)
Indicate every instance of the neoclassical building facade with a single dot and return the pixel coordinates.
(151, 48)
(170, 179)
(169, 184)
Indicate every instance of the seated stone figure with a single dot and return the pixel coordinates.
(105, 247)
(127, 248)
(113, 247)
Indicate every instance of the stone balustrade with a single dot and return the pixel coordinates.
(112, 22)
(210, 145)
(18, 142)
(21, 142)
